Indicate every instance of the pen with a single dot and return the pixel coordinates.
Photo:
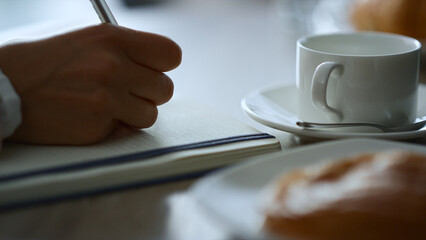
(103, 11)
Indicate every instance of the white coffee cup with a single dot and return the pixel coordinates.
(358, 77)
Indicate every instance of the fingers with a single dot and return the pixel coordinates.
(149, 56)
(141, 91)
(137, 112)
(147, 84)
(147, 49)
(151, 50)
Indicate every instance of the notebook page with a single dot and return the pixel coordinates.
(180, 121)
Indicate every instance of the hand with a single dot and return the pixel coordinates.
(76, 88)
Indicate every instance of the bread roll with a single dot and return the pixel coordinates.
(368, 196)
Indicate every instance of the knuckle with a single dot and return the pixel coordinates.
(104, 66)
(99, 102)
(109, 62)
(106, 32)
(142, 117)
(101, 36)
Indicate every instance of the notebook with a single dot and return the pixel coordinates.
(188, 139)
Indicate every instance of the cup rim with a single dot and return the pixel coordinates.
(304, 39)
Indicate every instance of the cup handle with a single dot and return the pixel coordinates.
(319, 87)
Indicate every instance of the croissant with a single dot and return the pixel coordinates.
(367, 196)
(405, 17)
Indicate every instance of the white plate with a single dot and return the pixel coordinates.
(276, 107)
(231, 196)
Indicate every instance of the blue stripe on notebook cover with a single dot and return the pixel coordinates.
(98, 191)
(131, 157)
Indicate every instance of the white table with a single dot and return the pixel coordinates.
(230, 48)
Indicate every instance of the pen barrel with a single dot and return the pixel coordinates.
(103, 11)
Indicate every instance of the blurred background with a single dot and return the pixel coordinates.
(312, 16)
(230, 47)
(306, 15)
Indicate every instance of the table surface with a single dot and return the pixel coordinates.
(230, 48)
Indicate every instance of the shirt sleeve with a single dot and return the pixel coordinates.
(10, 107)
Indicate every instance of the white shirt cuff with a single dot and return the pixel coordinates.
(10, 107)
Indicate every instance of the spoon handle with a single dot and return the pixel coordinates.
(418, 124)
(334, 125)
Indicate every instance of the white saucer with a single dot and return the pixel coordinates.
(276, 107)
